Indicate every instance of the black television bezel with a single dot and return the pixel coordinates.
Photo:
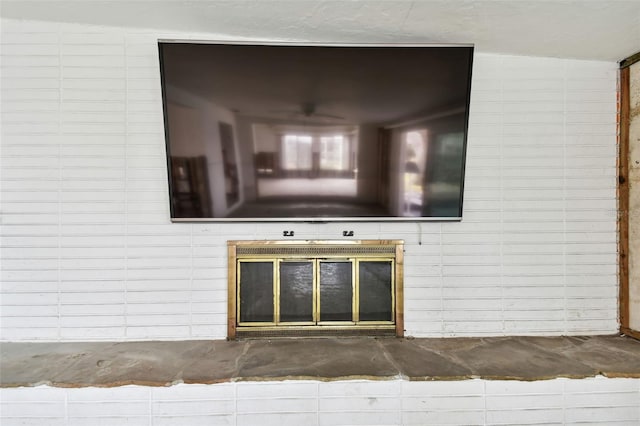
(371, 219)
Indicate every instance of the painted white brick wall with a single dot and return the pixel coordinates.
(595, 401)
(89, 253)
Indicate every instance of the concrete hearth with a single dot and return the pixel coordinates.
(107, 364)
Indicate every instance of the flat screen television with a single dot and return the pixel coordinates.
(290, 132)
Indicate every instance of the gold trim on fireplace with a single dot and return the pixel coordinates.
(315, 252)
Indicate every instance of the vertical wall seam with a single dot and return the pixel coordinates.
(151, 399)
(638, 392)
(126, 186)
(318, 403)
(60, 178)
(235, 403)
(66, 406)
(564, 196)
(443, 327)
(484, 399)
(191, 277)
(501, 199)
(564, 401)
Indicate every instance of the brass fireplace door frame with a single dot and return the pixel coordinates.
(315, 252)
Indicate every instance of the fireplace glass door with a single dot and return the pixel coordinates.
(325, 292)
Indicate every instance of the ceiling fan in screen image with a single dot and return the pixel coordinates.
(308, 110)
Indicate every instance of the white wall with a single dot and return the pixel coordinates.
(595, 401)
(265, 137)
(89, 253)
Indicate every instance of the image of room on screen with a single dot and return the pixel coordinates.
(282, 132)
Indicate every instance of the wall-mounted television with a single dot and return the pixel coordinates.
(291, 132)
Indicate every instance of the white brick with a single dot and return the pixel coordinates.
(525, 416)
(535, 218)
(365, 418)
(253, 390)
(196, 407)
(459, 417)
(277, 419)
(24, 49)
(41, 410)
(112, 409)
(156, 332)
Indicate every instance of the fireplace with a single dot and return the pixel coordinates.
(315, 288)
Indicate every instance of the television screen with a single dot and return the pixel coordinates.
(315, 132)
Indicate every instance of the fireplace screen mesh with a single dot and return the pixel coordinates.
(256, 292)
(336, 291)
(296, 292)
(376, 291)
